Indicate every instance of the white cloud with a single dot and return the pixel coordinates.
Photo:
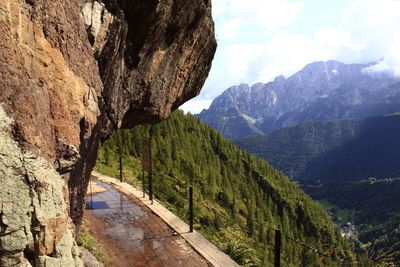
(376, 24)
(195, 106)
(284, 54)
(364, 14)
(263, 15)
(229, 29)
(390, 64)
(257, 42)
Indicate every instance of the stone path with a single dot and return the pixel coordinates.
(141, 237)
(205, 248)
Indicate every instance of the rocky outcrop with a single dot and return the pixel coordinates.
(89, 260)
(72, 72)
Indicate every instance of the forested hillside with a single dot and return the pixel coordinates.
(334, 162)
(239, 199)
(333, 150)
(375, 206)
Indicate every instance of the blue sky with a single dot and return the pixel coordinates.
(261, 39)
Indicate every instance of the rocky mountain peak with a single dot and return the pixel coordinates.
(321, 90)
(278, 79)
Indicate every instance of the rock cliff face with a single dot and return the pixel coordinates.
(71, 73)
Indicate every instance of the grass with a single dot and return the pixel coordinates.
(131, 169)
(91, 244)
(345, 214)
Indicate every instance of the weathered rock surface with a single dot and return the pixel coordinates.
(89, 260)
(71, 73)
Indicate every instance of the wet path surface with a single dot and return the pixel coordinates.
(136, 235)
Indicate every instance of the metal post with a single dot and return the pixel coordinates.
(150, 174)
(151, 187)
(277, 250)
(145, 161)
(143, 184)
(191, 209)
(120, 168)
(91, 194)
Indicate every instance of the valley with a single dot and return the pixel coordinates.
(334, 130)
(348, 167)
(338, 150)
(371, 205)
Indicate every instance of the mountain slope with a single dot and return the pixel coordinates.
(333, 150)
(375, 206)
(335, 162)
(237, 196)
(320, 91)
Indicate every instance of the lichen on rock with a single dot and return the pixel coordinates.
(33, 211)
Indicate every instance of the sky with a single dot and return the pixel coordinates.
(261, 39)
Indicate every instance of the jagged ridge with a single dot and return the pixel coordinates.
(320, 91)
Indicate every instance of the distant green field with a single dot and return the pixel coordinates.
(344, 214)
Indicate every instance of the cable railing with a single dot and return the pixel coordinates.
(275, 244)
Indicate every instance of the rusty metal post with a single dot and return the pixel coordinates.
(91, 193)
(143, 184)
(151, 187)
(150, 173)
(120, 168)
(191, 209)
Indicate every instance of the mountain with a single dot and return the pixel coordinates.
(320, 91)
(333, 150)
(239, 199)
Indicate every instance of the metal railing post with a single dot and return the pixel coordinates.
(120, 168)
(191, 209)
(143, 184)
(277, 250)
(91, 194)
(151, 187)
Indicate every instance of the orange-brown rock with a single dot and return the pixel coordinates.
(71, 73)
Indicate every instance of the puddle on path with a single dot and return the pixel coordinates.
(120, 214)
(139, 232)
